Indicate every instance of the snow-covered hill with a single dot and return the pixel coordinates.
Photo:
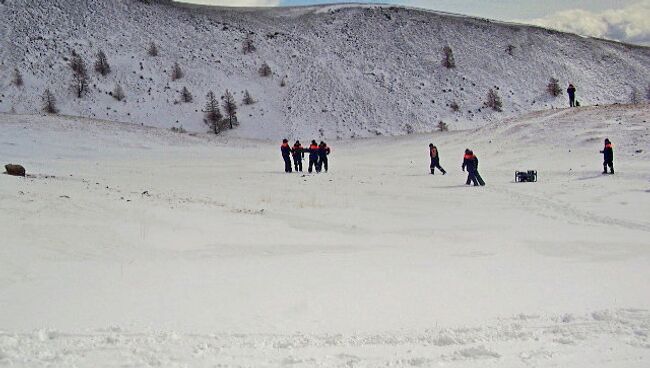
(350, 70)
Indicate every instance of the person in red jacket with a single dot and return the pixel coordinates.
(470, 161)
(298, 155)
(608, 156)
(286, 155)
(435, 159)
(313, 155)
(323, 161)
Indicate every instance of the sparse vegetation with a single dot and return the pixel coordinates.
(265, 70)
(283, 82)
(17, 78)
(101, 64)
(248, 46)
(230, 107)
(186, 95)
(494, 101)
(118, 93)
(49, 102)
(553, 87)
(448, 60)
(248, 99)
(442, 126)
(177, 72)
(152, 50)
(647, 92)
(79, 75)
(212, 113)
(635, 96)
(179, 129)
(454, 106)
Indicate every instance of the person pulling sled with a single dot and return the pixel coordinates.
(470, 162)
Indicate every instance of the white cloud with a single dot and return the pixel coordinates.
(628, 24)
(235, 2)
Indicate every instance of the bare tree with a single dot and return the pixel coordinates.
(17, 78)
(230, 107)
(647, 92)
(454, 106)
(247, 45)
(283, 82)
(265, 70)
(186, 95)
(177, 72)
(152, 50)
(248, 99)
(118, 93)
(510, 50)
(101, 64)
(79, 75)
(494, 101)
(49, 102)
(448, 60)
(442, 126)
(635, 96)
(553, 87)
(212, 113)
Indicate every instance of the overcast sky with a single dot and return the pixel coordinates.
(623, 20)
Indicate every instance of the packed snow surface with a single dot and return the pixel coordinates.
(133, 246)
(349, 71)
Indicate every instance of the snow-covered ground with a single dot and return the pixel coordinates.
(132, 246)
(350, 71)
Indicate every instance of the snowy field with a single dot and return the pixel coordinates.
(131, 246)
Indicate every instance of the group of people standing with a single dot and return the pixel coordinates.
(470, 162)
(318, 153)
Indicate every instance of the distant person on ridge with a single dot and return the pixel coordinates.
(435, 160)
(608, 155)
(286, 155)
(323, 152)
(470, 161)
(298, 155)
(313, 156)
(572, 95)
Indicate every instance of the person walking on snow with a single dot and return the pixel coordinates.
(608, 155)
(571, 91)
(323, 152)
(435, 160)
(298, 155)
(286, 155)
(313, 156)
(470, 161)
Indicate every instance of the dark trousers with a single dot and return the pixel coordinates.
(313, 162)
(287, 164)
(322, 164)
(297, 163)
(475, 178)
(611, 167)
(435, 163)
(572, 101)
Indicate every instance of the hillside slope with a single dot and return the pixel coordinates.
(166, 250)
(350, 70)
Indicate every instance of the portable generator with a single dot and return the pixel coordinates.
(529, 176)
